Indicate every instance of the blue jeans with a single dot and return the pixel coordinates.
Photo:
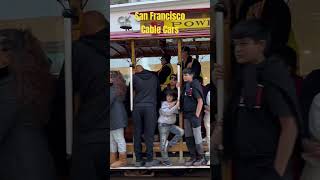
(165, 130)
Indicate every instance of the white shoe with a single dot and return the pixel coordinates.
(208, 163)
(204, 140)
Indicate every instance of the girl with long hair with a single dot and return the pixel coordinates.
(25, 95)
(118, 120)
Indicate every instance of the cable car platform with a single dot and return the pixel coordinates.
(161, 167)
(175, 165)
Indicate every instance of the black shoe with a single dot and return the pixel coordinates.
(200, 162)
(167, 163)
(190, 162)
(152, 163)
(139, 164)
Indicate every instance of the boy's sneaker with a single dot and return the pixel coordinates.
(200, 162)
(152, 163)
(190, 162)
(204, 140)
(167, 163)
(139, 164)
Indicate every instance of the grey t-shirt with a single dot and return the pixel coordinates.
(314, 117)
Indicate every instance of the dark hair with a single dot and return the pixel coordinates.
(289, 56)
(31, 70)
(119, 82)
(166, 57)
(186, 49)
(172, 93)
(254, 29)
(173, 75)
(188, 71)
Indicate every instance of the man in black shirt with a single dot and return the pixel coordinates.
(147, 91)
(165, 72)
(89, 153)
(262, 120)
(189, 62)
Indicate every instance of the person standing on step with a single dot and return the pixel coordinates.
(146, 93)
(118, 120)
(192, 104)
(167, 120)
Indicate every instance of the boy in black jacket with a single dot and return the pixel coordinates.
(192, 99)
(261, 123)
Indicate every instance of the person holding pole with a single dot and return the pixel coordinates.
(90, 136)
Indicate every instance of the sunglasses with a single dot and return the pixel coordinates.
(173, 78)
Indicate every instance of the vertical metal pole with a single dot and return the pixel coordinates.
(219, 8)
(131, 87)
(68, 77)
(220, 60)
(133, 57)
(132, 64)
(179, 93)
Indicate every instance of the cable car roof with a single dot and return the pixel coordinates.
(154, 45)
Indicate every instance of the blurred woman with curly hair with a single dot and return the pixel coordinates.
(25, 96)
(118, 120)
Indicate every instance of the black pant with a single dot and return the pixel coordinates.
(24, 155)
(245, 170)
(145, 122)
(89, 161)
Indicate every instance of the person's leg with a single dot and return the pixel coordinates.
(196, 128)
(164, 132)
(178, 133)
(206, 120)
(137, 120)
(113, 148)
(122, 149)
(150, 124)
(100, 160)
(190, 142)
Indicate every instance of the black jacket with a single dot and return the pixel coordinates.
(118, 114)
(271, 73)
(147, 89)
(196, 67)
(164, 73)
(89, 71)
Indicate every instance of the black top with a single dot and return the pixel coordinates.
(252, 129)
(190, 94)
(89, 80)
(147, 89)
(196, 67)
(164, 73)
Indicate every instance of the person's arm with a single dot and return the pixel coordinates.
(281, 108)
(196, 68)
(199, 107)
(170, 111)
(286, 143)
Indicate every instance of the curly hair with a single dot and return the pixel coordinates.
(31, 70)
(119, 82)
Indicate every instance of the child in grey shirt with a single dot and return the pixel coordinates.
(167, 119)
